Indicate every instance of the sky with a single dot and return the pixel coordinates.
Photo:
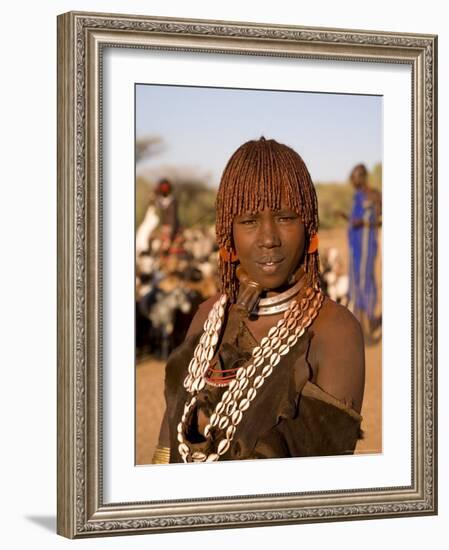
(201, 127)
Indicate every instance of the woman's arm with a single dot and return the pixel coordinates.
(162, 452)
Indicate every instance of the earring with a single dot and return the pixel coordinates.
(313, 245)
(228, 256)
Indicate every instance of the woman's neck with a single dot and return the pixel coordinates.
(277, 302)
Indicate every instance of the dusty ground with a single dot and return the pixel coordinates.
(150, 381)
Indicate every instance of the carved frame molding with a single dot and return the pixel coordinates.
(81, 39)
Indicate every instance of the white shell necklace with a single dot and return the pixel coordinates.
(242, 390)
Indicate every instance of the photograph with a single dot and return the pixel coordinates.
(246, 271)
(258, 274)
(223, 275)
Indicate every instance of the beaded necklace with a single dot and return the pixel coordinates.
(246, 380)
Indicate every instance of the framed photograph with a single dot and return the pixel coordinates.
(246, 214)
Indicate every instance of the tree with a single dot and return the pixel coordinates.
(147, 146)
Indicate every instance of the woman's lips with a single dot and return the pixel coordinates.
(270, 265)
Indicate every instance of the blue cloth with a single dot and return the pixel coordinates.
(363, 251)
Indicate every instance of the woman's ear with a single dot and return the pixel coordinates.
(313, 244)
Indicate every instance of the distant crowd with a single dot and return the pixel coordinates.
(175, 272)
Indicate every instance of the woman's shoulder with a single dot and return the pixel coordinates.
(180, 357)
(336, 319)
(337, 332)
(337, 353)
(201, 314)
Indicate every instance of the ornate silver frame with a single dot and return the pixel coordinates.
(81, 37)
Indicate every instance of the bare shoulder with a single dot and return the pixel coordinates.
(201, 315)
(335, 320)
(338, 353)
(338, 336)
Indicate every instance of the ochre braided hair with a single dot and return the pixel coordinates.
(259, 175)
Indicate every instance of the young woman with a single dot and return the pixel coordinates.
(270, 367)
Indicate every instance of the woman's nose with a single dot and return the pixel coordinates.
(268, 234)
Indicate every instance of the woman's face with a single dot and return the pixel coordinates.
(269, 245)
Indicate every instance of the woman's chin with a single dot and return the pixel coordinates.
(273, 285)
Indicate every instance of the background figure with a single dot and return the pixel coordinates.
(167, 209)
(146, 228)
(364, 221)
